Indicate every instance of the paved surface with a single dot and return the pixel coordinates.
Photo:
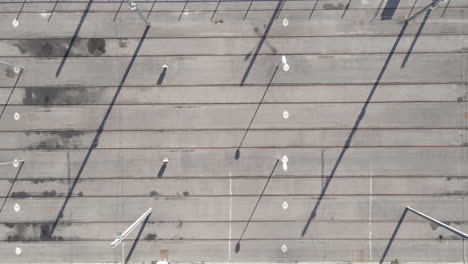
(377, 121)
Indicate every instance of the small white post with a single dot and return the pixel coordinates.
(284, 63)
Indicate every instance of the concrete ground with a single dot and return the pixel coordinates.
(372, 116)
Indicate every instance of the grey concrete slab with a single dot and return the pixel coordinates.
(233, 94)
(177, 230)
(269, 116)
(197, 70)
(227, 47)
(231, 139)
(415, 161)
(131, 26)
(252, 186)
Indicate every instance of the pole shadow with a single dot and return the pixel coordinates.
(118, 10)
(346, 9)
(353, 131)
(389, 244)
(151, 9)
(237, 154)
(95, 141)
(260, 44)
(313, 9)
(255, 208)
(11, 93)
(183, 10)
(11, 187)
(53, 10)
(130, 253)
(408, 54)
(216, 9)
(161, 76)
(389, 9)
(162, 170)
(73, 39)
(445, 9)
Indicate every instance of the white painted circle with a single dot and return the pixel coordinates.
(16, 116)
(284, 159)
(18, 250)
(286, 67)
(16, 69)
(17, 208)
(285, 22)
(15, 23)
(285, 114)
(45, 15)
(16, 163)
(285, 205)
(284, 248)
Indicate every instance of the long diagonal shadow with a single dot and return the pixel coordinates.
(415, 38)
(99, 131)
(11, 187)
(387, 248)
(237, 154)
(137, 238)
(11, 92)
(255, 208)
(260, 44)
(353, 131)
(73, 39)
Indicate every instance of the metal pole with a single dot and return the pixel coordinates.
(134, 7)
(431, 5)
(130, 228)
(449, 228)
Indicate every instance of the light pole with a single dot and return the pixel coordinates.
(14, 162)
(134, 7)
(120, 237)
(285, 64)
(430, 6)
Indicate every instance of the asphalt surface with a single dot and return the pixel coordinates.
(376, 121)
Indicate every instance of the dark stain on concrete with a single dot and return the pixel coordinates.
(80, 194)
(52, 193)
(96, 46)
(180, 224)
(20, 195)
(45, 234)
(449, 178)
(340, 6)
(10, 73)
(151, 237)
(56, 139)
(123, 43)
(153, 194)
(186, 193)
(44, 47)
(59, 95)
(9, 225)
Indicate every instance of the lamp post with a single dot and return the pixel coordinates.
(121, 236)
(432, 5)
(134, 7)
(14, 162)
(284, 63)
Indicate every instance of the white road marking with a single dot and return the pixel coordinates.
(370, 215)
(230, 212)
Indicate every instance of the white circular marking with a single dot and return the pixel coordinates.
(284, 159)
(285, 22)
(285, 114)
(16, 116)
(45, 14)
(15, 22)
(284, 248)
(18, 250)
(16, 69)
(285, 205)
(17, 208)
(16, 163)
(285, 67)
